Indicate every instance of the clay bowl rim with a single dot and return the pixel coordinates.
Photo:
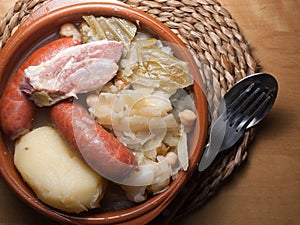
(39, 22)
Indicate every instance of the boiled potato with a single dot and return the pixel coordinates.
(57, 176)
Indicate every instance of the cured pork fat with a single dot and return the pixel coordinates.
(78, 69)
(16, 110)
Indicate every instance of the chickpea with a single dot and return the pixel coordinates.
(187, 118)
(69, 30)
(171, 158)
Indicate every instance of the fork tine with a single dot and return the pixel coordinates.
(244, 105)
(237, 101)
(250, 106)
(257, 111)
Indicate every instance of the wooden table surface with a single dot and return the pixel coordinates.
(266, 189)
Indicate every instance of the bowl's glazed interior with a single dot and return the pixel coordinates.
(43, 26)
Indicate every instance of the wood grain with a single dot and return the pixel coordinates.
(266, 189)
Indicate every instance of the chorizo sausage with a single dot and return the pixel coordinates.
(100, 149)
(16, 110)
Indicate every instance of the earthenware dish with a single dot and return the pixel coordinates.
(42, 26)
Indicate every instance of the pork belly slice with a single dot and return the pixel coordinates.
(78, 69)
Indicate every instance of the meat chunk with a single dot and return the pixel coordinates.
(17, 112)
(78, 69)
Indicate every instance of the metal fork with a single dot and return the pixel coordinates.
(246, 104)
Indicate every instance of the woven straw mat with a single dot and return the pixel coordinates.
(221, 52)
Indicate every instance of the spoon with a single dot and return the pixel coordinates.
(242, 107)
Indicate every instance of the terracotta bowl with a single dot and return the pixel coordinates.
(40, 28)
